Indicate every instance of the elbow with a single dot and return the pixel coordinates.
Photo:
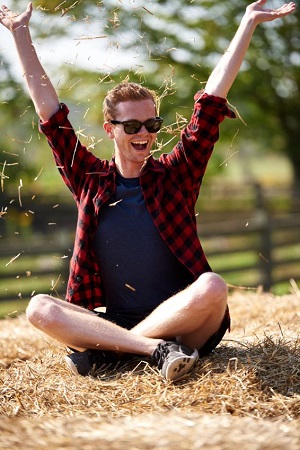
(46, 111)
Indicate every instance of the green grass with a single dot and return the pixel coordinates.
(42, 283)
(27, 275)
(12, 308)
(30, 263)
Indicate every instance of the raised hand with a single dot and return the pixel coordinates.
(224, 74)
(13, 21)
(260, 14)
(40, 88)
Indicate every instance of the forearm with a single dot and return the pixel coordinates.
(226, 71)
(40, 88)
(224, 74)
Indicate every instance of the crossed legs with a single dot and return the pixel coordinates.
(192, 316)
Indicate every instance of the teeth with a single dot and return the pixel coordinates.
(139, 142)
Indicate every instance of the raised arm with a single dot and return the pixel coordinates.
(224, 74)
(40, 88)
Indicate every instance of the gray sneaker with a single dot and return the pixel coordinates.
(174, 359)
(89, 361)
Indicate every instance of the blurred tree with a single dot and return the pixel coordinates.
(179, 42)
(16, 132)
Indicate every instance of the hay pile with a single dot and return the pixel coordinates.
(246, 395)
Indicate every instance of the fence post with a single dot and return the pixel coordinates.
(265, 256)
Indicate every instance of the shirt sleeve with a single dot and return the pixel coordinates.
(73, 160)
(192, 153)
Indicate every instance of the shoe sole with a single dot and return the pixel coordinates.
(71, 366)
(180, 367)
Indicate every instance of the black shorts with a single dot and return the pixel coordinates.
(216, 338)
(131, 321)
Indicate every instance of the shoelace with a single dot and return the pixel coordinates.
(160, 354)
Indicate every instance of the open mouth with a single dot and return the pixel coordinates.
(139, 145)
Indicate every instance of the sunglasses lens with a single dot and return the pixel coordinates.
(132, 127)
(153, 125)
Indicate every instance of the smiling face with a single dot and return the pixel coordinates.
(132, 149)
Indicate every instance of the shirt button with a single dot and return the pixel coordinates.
(78, 279)
(107, 193)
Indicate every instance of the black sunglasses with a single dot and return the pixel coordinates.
(134, 126)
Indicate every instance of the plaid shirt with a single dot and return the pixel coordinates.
(170, 185)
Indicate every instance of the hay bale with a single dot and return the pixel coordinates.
(171, 430)
(246, 394)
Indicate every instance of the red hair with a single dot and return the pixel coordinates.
(123, 92)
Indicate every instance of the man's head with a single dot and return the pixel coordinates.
(124, 92)
(131, 121)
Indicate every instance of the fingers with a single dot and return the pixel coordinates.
(5, 12)
(266, 14)
(4, 9)
(286, 9)
(9, 18)
(29, 10)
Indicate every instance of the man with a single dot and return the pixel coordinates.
(136, 246)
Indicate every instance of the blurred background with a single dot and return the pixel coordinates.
(249, 207)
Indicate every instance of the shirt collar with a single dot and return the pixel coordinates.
(153, 165)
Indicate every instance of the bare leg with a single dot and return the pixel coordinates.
(81, 329)
(192, 315)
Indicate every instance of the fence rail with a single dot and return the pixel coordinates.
(264, 251)
(251, 238)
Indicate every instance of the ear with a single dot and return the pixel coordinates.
(109, 130)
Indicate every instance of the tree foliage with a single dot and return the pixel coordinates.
(176, 44)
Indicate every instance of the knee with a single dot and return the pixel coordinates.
(40, 311)
(210, 288)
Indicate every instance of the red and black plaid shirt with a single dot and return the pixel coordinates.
(170, 185)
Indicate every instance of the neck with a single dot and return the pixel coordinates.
(129, 170)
